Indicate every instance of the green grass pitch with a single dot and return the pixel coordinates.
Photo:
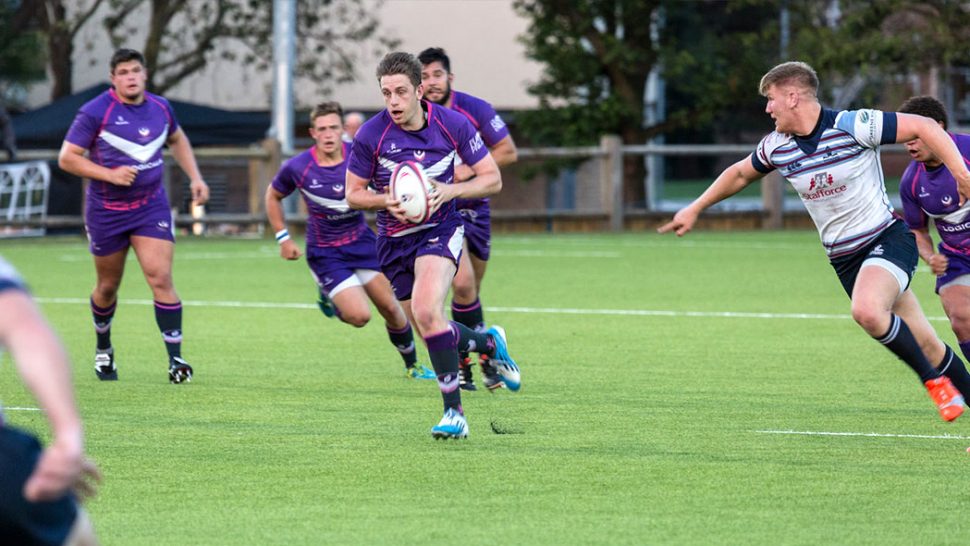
(661, 379)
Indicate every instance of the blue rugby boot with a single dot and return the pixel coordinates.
(419, 371)
(452, 425)
(502, 362)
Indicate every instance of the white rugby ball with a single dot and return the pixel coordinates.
(410, 186)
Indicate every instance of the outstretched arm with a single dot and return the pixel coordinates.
(734, 179)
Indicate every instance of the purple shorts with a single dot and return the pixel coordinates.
(957, 266)
(478, 229)
(333, 265)
(397, 254)
(110, 230)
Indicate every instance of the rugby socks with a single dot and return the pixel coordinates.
(954, 368)
(899, 339)
(444, 360)
(102, 323)
(471, 341)
(403, 341)
(168, 316)
(470, 315)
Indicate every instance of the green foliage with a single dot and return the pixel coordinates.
(183, 37)
(637, 422)
(21, 50)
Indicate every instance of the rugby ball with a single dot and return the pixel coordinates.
(410, 186)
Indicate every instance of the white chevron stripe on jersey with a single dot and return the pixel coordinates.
(339, 205)
(140, 152)
(441, 166)
(433, 171)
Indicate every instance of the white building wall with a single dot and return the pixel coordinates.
(480, 36)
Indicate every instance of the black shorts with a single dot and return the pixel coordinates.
(21, 522)
(896, 245)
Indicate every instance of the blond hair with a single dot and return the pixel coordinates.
(790, 73)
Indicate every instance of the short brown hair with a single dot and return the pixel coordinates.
(926, 106)
(790, 73)
(400, 62)
(325, 108)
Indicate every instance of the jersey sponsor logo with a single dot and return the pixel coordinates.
(149, 165)
(496, 123)
(823, 193)
(951, 228)
(476, 143)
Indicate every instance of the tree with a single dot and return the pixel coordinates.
(50, 18)
(21, 51)
(598, 54)
(184, 35)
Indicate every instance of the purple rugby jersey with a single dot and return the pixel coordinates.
(332, 222)
(488, 124)
(117, 134)
(380, 146)
(932, 193)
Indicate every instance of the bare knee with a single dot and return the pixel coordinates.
(160, 282)
(465, 293)
(356, 319)
(873, 321)
(107, 289)
(425, 318)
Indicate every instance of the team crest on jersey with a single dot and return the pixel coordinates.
(143, 131)
(946, 200)
(820, 180)
(419, 155)
(337, 188)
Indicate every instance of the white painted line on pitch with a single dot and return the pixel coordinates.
(191, 256)
(555, 254)
(524, 310)
(866, 434)
(20, 409)
(669, 242)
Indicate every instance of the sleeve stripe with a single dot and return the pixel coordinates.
(759, 166)
(888, 128)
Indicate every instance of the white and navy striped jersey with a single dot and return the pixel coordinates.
(837, 174)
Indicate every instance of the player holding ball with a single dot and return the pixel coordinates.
(420, 260)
